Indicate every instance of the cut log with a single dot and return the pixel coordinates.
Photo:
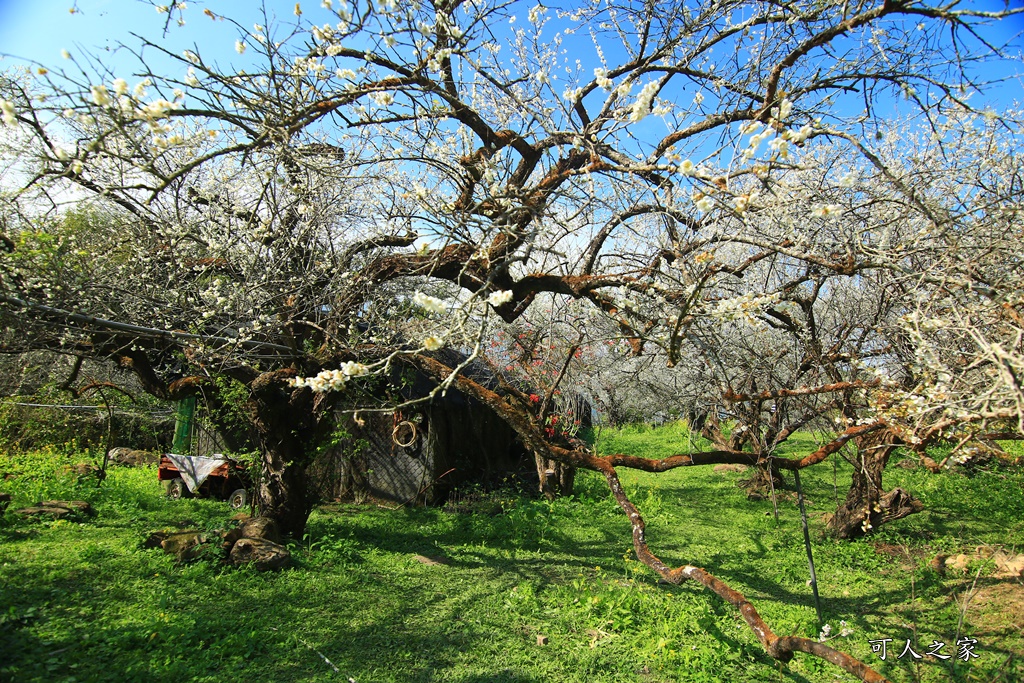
(264, 555)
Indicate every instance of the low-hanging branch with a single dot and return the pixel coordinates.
(82, 318)
(781, 648)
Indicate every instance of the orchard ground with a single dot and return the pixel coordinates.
(83, 601)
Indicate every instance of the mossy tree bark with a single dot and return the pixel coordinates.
(286, 425)
(867, 505)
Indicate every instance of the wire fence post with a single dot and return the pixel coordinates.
(807, 546)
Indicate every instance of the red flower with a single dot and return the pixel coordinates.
(534, 398)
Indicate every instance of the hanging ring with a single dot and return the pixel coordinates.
(413, 433)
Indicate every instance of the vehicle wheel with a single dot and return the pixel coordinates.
(177, 489)
(238, 499)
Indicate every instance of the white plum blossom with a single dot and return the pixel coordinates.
(802, 134)
(785, 107)
(745, 306)
(239, 47)
(498, 298)
(433, 343)
(7, 107)
(825, 210)
(158, 109)
(601, 76)
(757, 139)
(780, 146)
(331, 380)
(429, 303)
(687, 167)
(642, 106)
(326, 380)
(120, 86)
(354, 369)
(705, 204)
(100, 96)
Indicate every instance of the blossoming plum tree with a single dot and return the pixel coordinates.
(383, 178)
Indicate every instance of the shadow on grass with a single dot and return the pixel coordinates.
(359, 599)
(244, 619)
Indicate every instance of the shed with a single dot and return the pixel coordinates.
(419, 455)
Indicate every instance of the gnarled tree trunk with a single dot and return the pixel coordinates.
(867, 505)
(284, 419)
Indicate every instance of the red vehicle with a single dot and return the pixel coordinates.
(217, 476)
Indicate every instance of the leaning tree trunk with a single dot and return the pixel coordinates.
(284, 422)
(867, 505)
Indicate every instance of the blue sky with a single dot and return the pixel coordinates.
(38, 30)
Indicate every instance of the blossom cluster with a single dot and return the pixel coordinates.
(498, 298)
(429, 303)
(644, 101)
(745, 306)
(826, 632)
(7, 107)
(331, 380)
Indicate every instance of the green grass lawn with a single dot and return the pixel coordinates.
(82, 601)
